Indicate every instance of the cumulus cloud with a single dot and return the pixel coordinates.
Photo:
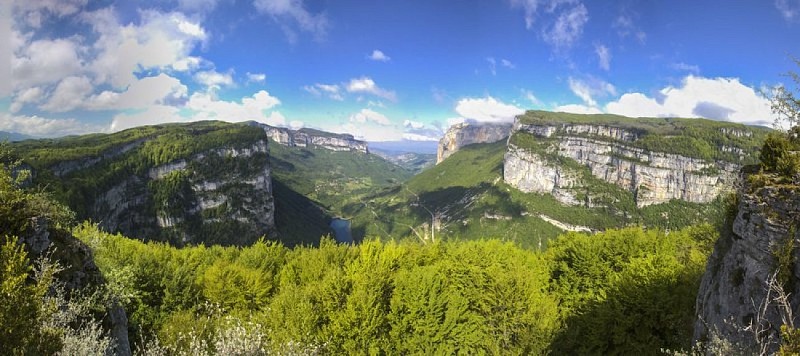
(156, 90)
(29, 95)
(287, 12)
(789, 9)
(367, 85)
(578, 109)
(34, 12)
(379, 56)
(161, 41)
(207, 107)
(712, 98)
(213, 79)
(590, 88)
(487, 109)
(568, 28)
(45, 61)
(367, 115)
(43, 127)
(603, 56)
(69, 94)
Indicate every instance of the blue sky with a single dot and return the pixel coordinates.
(385, 70)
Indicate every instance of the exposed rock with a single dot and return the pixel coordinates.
(63, 168)
(309, 137)
(463, 134)
(243, 194)
(653, 177)
(735, 284)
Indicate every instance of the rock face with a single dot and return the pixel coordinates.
(463, 134)
(191, 200)
(652, 177)
(307, 137)
(735, 285)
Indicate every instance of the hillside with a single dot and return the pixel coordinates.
(312, 183)
(558, 173)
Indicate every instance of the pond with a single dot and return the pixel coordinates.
(341, 230)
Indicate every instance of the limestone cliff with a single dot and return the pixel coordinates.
(547, 156)
(307, 137)
(205, 182)
(734, 290)
(208, 197)
(463, 134)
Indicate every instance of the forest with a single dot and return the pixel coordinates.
(622, 291)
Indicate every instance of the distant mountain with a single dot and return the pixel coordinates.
(425, 147)
(412, 161)
(562, 172)
(13, 136)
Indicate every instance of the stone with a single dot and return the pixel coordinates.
(463, 134)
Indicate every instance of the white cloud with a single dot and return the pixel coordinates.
(29, 95)
(508, 64)
(332, 91)
(713, 98)
(161, 41)
(285, 11)
(567, 28)
(154, 115)
(368, 131)
(147, 91)
(530, 7)
(591, 88)
(626, 26)
(411, 136)
(44, 127)
(256, 77)
(487, 109)
(296, 124)
(492, 65)
(207, 107)
(379, 56)
(578, 109)
(70, 94)
(603, 56)
(413, 124)
(213, 79)
(367, 115)
(367, 85)
(789, 9)
(45, 62)
(680, 66)
(33, 12)
(527, 94)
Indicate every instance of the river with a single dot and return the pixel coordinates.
(341, 230)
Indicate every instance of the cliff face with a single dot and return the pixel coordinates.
(610, 154)
(463, 134)
(308, 137)
(193, 200)
(206, 182)
(735, 287)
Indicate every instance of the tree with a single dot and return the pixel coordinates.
(784, 102)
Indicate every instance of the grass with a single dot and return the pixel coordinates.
(696, 138)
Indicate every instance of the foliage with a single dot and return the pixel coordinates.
(628, 291)
(697, 138)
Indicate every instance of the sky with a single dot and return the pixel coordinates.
(386, 70)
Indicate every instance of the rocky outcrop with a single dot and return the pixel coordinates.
(735, 297)
(463, 134)
(310, 137)
(63, 168)
(188, 200)
(652, 177)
